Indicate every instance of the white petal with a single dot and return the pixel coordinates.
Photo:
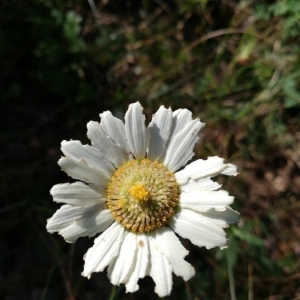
(160, 270)
(159, 131)
(136, 131)
(142, 264)
(168, 243)
(76, 194)
(121, 269)
(222, 218)
(67, 214)
(104, 143)
(180, 149)
(181, 117)
(200, 230)
(92, 156)
(88, 226)
(230, 170)
(106, 248)
(79, 169)
(200, 184)
(115, 128)
(203, 201)
(213, 166)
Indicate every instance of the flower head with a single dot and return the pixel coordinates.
(131, 191)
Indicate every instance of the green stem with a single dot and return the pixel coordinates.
(113, 293)
(231, 277)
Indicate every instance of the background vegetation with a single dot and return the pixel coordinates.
(235, 64)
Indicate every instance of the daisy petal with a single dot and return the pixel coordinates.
(222, 218)
(200, 184)
(142, 264)
(115, 128)
(87, 226)
(92, 156)
(106, 248)
(68, 214)
(203, 201)
(160, 270)
(79, 169)
(200, 230)
(159, 131)
(136, 131)
(168, 243)
(213, 166)
(181, 117)
(124, 263)
(76, 194)
(180, 149)
(104, 143)
(230, 170)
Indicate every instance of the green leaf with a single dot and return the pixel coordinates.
(248, 237)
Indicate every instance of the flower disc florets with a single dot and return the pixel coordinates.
(142, 195)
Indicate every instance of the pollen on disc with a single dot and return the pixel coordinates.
(142, 195)
(139, 192)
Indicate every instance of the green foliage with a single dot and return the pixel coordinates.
(291, 93)
(288, 14)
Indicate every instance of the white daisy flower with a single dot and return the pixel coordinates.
(130, 189)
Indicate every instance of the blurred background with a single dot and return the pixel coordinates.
(234, 64)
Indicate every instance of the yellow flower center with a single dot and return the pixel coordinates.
(142, 195)
(139, 192)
